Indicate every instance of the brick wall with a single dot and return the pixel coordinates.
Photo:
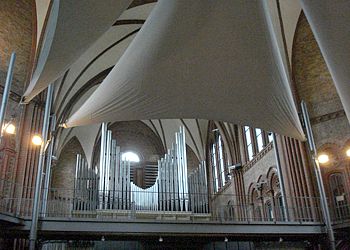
(260, 168)
(315, 85)
(63, 173)
(137, 137)
(16, 34)
(16, 29)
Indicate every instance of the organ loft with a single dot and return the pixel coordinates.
(145, 124)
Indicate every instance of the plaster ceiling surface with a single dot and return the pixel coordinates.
(290, 11)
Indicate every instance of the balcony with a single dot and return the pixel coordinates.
(73, 214)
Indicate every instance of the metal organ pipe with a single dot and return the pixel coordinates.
(101, 186)
(112, 187)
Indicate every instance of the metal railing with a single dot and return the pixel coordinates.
(340, 208)
(69, 203)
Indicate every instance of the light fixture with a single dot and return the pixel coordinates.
(226, 240)
(103, 238)
(10, 128)
(348, 152)
(36, 140)
(160, 239)
(323, 158)
(281, 239)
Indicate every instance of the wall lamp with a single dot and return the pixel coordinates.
(348, 152)
(323, 158)
(9, 128)
(37, 140)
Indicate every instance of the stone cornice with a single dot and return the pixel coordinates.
(327, 117)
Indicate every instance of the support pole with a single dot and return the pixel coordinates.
(36, 203)
(280, 178)
(48, 166)
(5, 95)
(315, 163)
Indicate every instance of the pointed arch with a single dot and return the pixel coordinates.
(63, 172)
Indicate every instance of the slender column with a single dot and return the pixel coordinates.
(176, 177)
(323, 199)
(5, 95)
(107, 168)
(85, 189)
(116, 177)
(182, 129)
(112, 170)
(35, 210)
(206, 187)
(90, 198)
(48, 166)
(171, 180)
(128, 185)
(75, 191)
(280, 177)
(120, 186)
(80, 185)
(101, 186)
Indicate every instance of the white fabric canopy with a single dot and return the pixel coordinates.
(72, 26)
(214, 60)
(330, 22)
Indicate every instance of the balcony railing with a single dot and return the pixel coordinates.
(69, 203)
(340, 209)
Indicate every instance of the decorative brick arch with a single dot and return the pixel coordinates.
(273, 181)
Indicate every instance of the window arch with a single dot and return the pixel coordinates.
(256, 205)
(218, 160)
(231, 211)
(130, 156)
(255, 140)
(269, 210)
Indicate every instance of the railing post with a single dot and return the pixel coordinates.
(316, 165)
(38, 181)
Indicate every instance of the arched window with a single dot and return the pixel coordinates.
(256, 206)
(269, 211)
(218, 161)
(255, 140)
(231, 211)
(249, 142)
(259, 139)
(339, 197)
(214, 166)
(130, 156)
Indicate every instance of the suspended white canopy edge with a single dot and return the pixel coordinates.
(330, 22)
(214, 60)
(72, 26)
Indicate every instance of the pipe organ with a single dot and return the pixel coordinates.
(112, 188)
(85, 186)
(197, 182)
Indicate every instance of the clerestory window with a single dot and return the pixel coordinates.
(218, 162)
